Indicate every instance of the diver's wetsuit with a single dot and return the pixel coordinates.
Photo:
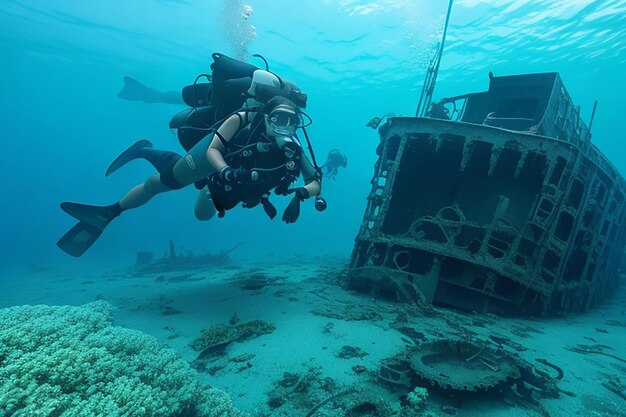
(194, 166)
(177, 172)
(276, 167)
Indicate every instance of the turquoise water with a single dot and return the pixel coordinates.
(62, 124)
(63, 63)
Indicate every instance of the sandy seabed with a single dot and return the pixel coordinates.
(327, 340)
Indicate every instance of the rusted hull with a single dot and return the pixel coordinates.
(487, 219)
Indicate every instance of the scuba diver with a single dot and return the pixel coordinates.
(240, 158)
(134, 90)
(334, 160)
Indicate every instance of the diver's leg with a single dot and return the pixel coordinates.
(194, 165)
(142, 149)
(174, 172)
(162, 161)
(94, 219)
(205, 209)
(142, 193)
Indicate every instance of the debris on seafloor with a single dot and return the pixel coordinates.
(178, 278)
(169, 311)
(311, 394)
(300, 390)
(503, 340)
(558, 369)
(462, 365)
(333, 397)
(469, 366)
(415, 335)
(215, 339)
(165, 308)
(349, 352)
(172, 261)
(614, 384)
(595, 349)
(173, 332)
(524, 331)
(256, 279)
(350, 312)
(359, 369)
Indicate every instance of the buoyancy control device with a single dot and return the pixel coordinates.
(227, 88)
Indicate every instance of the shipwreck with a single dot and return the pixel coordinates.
(500, 205)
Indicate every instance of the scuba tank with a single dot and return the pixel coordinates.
(229, 85)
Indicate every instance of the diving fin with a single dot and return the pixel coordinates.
(128, 155)
(79, 238)
(93, 220)
(133, 90)
(97, 216)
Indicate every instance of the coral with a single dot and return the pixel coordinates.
(214, 341)
(222, 334)
(415, 403)
(299, 392)
(214, 335)
(71, 361)
(418, 398)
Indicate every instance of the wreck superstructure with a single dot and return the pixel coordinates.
(507, 208)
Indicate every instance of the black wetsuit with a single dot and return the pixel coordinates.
(252, 150)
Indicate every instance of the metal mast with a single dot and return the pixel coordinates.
(431, 75)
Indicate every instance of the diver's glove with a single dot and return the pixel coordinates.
(293, 209)
(285, 183)
(269, 208)
(246, 176)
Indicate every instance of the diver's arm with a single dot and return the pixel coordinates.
(309, 174)
(215, 154)
(311, 188)
(217, 149)
(314, 188)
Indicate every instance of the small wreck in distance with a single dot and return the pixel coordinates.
(501, 204)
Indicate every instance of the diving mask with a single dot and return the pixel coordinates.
(283, 120)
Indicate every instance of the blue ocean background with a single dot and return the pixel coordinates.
(62, 123)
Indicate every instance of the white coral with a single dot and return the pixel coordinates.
(418, 398)
(70, 361)
(416, 403)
